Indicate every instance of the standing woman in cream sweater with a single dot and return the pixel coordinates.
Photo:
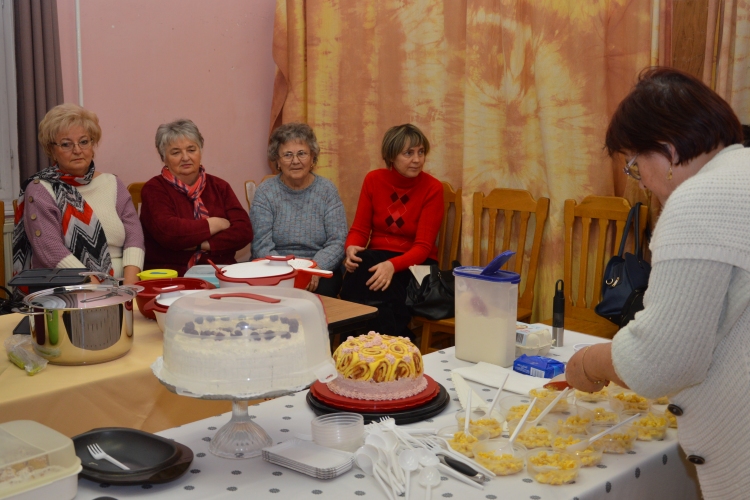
(71, 215)
(691, 342)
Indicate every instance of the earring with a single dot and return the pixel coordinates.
(669, 175)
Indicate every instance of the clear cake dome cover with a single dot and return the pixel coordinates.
(245, 342)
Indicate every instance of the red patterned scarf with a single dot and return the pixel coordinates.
(81, 230)
(193, 193)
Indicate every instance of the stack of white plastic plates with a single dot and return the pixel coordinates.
(309, 458)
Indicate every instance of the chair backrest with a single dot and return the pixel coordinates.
(511, 202)
(595, 245)
(250, 188)
(450, 229)
(135, 193)
(266, 177)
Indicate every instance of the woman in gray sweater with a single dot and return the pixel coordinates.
(691, 342)
(297, 212)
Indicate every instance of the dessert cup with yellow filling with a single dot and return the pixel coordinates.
(499, 457)
(548, 466)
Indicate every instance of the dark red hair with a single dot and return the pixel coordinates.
(668, 106)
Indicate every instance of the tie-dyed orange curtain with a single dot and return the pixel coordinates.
(511, 93)
(728, 53)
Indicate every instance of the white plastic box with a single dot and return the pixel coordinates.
(486, 310)
(36, 463)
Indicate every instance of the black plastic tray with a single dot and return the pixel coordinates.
(42, 278)
(151, 458)
(431, 408)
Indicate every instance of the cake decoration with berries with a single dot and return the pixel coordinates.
(378, 367)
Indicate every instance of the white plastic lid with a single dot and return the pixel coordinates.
(257, 269)
(166, 298)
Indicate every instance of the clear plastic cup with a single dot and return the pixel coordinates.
(460, 442)
(497, 456)
(624, 399)
(513, 407)
(342, 431)
(651, 426)
(618, 442)
(533, 435)
(589, 456)
(545, 396)
(479, 420)
(548, 466)
(577, 420)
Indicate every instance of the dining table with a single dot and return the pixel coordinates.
(123, 392)
(655, 469)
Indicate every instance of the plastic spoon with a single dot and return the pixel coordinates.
(521, 423)
(409, 462)
(585, 444)
(467, 417)
(429, 477)
(497, 396)
(365, 462)
(550, 406)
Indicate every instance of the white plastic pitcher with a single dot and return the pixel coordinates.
(486, 310)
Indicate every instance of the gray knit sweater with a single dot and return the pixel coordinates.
(692, 340)
(308, 223)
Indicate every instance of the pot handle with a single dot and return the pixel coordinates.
(317, 272)
(245, 295)
(26, 311)
(169, 289)
(218, 270)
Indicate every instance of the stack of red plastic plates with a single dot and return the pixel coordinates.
(426, 404)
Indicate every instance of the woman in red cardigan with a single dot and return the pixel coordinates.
(189, 216)
(400, 211)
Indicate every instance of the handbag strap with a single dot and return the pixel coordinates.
(636, 209)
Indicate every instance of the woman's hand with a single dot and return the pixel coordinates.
(381, 277)
(217, 224)
(313, 285)
(206, 246)
(130, 275)
(590, 369)
(352, 261)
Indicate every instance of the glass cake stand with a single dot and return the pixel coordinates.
(240, 437)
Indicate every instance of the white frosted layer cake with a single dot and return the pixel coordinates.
(241, 356)
(378, 367)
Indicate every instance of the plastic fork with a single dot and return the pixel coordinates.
(99, 454)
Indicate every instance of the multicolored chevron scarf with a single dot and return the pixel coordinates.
(193, 193)
(82, 232)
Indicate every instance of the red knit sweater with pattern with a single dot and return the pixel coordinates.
(399, 214)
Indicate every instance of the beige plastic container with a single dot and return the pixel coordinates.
(36, 463)
(486, 310)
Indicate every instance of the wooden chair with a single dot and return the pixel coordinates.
(448, 239)
(266, 177)
(583, 270)
(250, 188)
(511, 202)
(135, 193)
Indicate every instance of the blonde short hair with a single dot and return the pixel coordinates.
(63, 117)
(397, 138)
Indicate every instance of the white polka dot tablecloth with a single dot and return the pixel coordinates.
(652, 470)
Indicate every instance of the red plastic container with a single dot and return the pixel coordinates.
(153, 288)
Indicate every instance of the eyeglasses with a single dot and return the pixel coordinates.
(288, 157)
(68, 146)
(631, 168)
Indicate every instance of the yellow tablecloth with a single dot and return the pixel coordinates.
(120, 393)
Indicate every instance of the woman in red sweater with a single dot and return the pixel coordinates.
(189, 216)
(399, 213)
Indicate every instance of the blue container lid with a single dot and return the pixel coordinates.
(492, 272)
(475, 272)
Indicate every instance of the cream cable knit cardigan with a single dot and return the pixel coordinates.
(692, 340)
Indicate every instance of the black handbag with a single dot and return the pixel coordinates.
(625, 278)
(434, 298)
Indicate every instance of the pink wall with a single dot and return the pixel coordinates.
(146, 62)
